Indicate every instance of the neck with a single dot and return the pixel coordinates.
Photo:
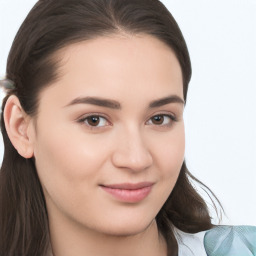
(68, 239)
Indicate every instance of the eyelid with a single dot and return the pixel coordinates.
(84, 117)
(92, 114)
(163, 113)
(171, 116)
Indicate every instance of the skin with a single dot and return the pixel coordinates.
(73, 158)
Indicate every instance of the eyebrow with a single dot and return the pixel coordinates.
(107, 103)
(96, 101)
(166, 100)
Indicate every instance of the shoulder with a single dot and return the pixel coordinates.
(231, 241)
(220, 240)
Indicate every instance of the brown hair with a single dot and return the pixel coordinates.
(50, 26)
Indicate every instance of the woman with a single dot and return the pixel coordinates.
(94, 135)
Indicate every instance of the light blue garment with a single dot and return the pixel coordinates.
(231, 241)
(219, 241)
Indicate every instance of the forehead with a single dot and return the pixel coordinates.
(134, 66)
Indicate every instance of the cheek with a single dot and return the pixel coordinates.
(170, 159)
(172, 151)
(65, 161)
(173, 156)
(69, 170)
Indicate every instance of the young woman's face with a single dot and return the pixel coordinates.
(109, 135)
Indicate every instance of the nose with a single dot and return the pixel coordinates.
(131, 152)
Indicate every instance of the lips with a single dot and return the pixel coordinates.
(130, 186)
(129, 192)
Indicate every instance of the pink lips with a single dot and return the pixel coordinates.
(129, 192)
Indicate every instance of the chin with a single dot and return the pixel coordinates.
(128, 229)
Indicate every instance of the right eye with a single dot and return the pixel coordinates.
(94, 121)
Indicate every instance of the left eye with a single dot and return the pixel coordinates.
(94, 121)
(161, 120)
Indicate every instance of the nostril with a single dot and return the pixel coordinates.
(134, 161)
(131, 150)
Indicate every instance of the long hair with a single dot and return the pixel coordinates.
(32, 66)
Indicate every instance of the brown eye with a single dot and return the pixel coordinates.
(158, 120)
(93, 120)
(162, 120)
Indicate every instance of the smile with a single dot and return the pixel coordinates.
(128, 192)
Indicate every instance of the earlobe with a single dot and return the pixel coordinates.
(17, 123)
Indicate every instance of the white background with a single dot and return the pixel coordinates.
(220, 115)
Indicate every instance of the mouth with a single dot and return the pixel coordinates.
(129, 192)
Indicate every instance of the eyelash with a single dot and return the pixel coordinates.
(172, 119)
(84, 119)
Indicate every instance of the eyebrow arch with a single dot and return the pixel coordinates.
(96, 101)
(116, 105)
(166, 100)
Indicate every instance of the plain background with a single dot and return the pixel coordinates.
(220, 114)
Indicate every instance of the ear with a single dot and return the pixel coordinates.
(18, 126)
